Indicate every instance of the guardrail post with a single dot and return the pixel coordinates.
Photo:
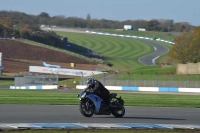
(104, 79)
(142, 78)
(188, 80)
(128, 78)
(198, 84)
(116, 78)
(156, 79)
(81, 78)
(172, 79)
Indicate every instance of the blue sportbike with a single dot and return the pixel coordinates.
(91, 103)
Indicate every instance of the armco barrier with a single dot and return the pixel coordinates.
(38, 87)
(148, 89)
(139, 37)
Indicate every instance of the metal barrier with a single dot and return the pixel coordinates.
(149, 80)
(37, 80)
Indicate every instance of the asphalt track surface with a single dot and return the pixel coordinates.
(149, 59)
(70, 114)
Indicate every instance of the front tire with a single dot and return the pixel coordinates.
(85, 109)
(118, 111)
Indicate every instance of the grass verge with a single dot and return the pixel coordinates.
(57, 97)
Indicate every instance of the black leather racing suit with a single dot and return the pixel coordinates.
(101, 91)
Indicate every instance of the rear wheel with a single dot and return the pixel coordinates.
(86, 108)
(119, 110)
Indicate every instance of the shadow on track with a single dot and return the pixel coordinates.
(152, 118)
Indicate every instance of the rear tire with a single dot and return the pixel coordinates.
(119, 111)
(86, 110)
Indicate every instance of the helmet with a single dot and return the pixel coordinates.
(90, 81)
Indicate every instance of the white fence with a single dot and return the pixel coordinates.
(138, 37)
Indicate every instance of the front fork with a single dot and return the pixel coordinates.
(87, 104)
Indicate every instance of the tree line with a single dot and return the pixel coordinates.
(21, 25)
(60, 20)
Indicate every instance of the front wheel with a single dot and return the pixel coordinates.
(86, 108)
(119, 110)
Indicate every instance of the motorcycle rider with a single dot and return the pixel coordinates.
(97, 88)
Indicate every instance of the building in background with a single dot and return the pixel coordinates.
(127, 27)
(141, 29)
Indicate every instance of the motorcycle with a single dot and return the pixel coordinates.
(93, 104)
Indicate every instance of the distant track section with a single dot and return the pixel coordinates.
(129, 36)
(149, 59)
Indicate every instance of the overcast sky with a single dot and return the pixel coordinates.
(177, 10)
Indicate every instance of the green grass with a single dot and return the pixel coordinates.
(53, 97)
(36, 97)
(6, 82)
(147, 71)
(163, 35)
(120, 53)
(154, 70)
(156, 73)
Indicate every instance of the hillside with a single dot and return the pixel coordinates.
(18, 56)
(119, 53)
(20, 65)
